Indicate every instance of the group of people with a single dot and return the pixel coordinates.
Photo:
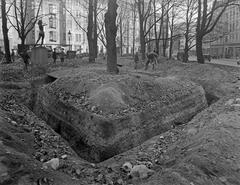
(61, 55)
(152, 58)
(2, 55)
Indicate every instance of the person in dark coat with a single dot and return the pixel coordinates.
(62, 55)
(136, 60)
(54, 55)
(13, 55)
(25, 56)
(151, 58)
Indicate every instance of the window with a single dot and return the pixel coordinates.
(78, 14)
(69, 24)
(78, 37)
(52, 21)
(53, 36)
(84, 38)
(52, 9)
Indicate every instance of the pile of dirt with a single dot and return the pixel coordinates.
(102, 115)
(206, 151)
(216, 81)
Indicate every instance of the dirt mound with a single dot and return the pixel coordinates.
(207, 151)
(103, 115)
(214, 80)
(17, 149)
(108, 97)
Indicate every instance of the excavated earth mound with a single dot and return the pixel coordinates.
(206, 151)
(102, 115)
(216, 82)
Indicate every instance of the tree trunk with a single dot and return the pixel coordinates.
(111, 33)
(165, 40)
(199, 49)
(95, 29)
(186, 48)
(121, 37)
(134, 28)
(90, 32)
(5, 32)
(171, 45)
(141, 27)
(142, 43)
(23, 41)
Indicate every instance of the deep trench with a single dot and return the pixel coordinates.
(72, 137)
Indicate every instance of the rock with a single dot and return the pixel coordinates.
(53, 163)
(140, 171)
(78, 171)
(120, 182)
(127, 167)
(192, 131)
(64, 156)
(229, 102)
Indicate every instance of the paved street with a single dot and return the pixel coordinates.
(224, 61)
(229, 62)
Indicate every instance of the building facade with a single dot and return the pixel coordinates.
(227, 35)
(65, 25)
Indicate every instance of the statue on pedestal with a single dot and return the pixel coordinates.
(41, 32)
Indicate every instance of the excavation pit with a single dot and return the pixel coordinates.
(102, 115)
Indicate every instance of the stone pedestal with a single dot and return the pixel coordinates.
(39, 57)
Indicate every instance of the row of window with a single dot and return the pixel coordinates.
(53, 37)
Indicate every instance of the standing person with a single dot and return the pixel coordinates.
(151, 58)
(13, 55)
(136, 60)
(25, 56)
(1, 55)
(62, 55)
(54, 55)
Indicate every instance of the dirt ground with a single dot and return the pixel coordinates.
(204, 151)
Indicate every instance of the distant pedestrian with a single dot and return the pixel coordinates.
(13, 55)
(25, 54)
(136, 60)
(54, 55)
(62, 55)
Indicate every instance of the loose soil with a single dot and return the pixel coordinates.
(204, 151)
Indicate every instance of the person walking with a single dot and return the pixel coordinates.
(151, 58)
(54, 55)
(136, 60)
(62, 55)
(13, 55)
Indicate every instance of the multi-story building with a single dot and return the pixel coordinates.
(53, 15)
(227, 35)
(76, 20)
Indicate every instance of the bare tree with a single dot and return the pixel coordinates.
(22, 22)
(207, 19)
(111, 33)
(92, 30)
(123, 23)
(143, 15)
(190, 10)
(134, 17)
(174, 26)
(5, 30)
(150, 14)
